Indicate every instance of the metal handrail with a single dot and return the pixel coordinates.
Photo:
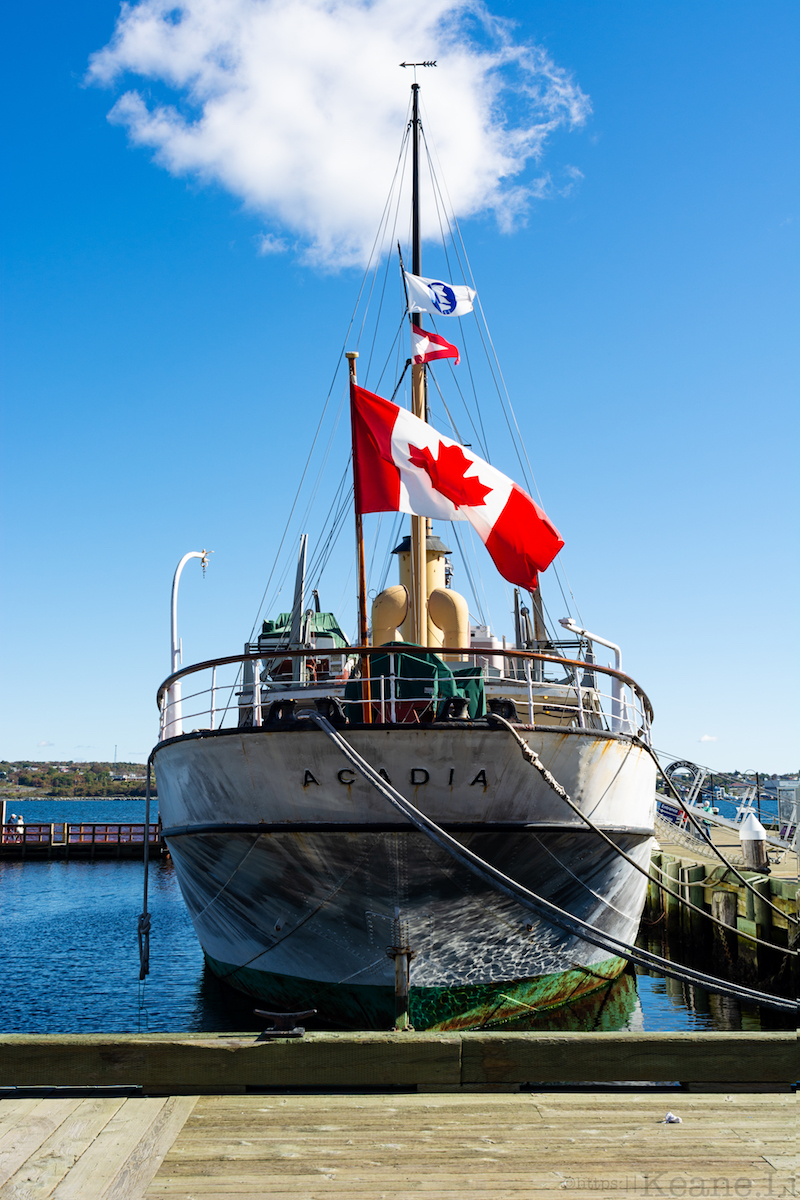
(471, 651)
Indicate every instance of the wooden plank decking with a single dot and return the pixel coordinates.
(445, 1147)
(82, 1149)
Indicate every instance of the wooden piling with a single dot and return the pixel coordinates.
(723, 907)
(762, 913)
(672, 906)
(698, 926)
(654, 893)
(706, 885)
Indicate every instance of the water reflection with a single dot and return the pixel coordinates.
(670, 1004)
(71, 966)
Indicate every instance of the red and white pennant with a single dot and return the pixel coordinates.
(427, 347)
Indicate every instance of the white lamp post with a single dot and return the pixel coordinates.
(172, 720)
(618, 718)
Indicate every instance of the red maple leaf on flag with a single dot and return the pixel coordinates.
(447, 473)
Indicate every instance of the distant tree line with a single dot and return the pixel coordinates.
(76, 779)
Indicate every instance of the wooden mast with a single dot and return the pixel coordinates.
(419, 525)
(363, 628)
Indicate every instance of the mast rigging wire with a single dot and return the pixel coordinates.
(706, 838)
(531, 757)
(468, 569)
(450, 418)
(436, 197)
(374, 550)
(387, 562)
(340, 508)
(396, 341)
(377, 241)
(450, 235)
(532, 485)
(544, 909)
(386, 272)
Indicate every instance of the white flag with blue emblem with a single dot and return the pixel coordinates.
(433, 296)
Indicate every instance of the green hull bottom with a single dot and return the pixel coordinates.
(599, 997)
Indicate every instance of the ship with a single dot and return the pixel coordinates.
(428, 827)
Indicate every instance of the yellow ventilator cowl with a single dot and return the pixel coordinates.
(389, 610)
(450, 613)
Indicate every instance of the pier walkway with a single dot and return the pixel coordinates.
(392, 1116)
(674, 840)
(369, 1147)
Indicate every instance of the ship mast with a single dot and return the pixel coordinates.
(419, 525)
(351, 356)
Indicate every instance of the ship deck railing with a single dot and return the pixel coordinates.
(529, 688)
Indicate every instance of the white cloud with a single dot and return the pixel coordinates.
(298, 108)
(575, 177)
(707, 737)
(53, 743)
(268, 243)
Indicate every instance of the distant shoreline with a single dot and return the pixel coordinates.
(36, 797)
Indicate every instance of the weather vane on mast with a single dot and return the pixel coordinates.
(428, 63)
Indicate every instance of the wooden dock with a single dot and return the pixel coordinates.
(767, 910)
(395, 1147)
(678, 841)
(473, 1116)
(197, 1063)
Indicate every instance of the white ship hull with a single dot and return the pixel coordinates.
(299, 876)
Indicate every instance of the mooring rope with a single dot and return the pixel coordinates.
(538, 904)
(533, 758)
(144, 921)
(706, 838)
(680, 837)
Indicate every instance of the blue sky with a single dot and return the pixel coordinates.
(162, 379)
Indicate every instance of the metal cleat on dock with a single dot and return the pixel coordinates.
(284, 1026)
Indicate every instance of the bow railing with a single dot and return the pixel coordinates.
(529, 687)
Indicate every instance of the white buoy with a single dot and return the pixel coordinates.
(753, 837)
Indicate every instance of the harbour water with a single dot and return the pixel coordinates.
(71, 959)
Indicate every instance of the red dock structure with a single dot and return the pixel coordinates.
(62, 839)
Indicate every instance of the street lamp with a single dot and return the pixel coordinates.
(172, 720)
(616, 684)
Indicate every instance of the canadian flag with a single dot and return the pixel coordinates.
(427, 347)
(401, 464)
